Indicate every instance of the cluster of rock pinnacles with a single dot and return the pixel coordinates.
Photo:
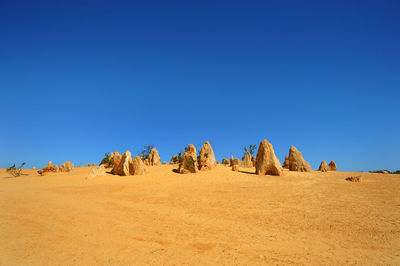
(265, 163)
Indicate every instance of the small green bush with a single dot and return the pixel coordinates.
(107, 161)
(144, 154)
(14, 170)
(252, 148)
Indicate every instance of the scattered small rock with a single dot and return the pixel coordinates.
(354, 178)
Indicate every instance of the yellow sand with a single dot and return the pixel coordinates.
(216, 217)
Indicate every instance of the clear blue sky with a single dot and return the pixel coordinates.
(81, 78)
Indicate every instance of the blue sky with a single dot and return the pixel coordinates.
(81, 78)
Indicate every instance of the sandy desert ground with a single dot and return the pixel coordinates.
(215, 217)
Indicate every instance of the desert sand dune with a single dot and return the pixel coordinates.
(211, 217)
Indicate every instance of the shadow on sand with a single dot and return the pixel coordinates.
(247, 172)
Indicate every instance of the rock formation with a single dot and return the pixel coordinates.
(246, 162)
(136, 166)
(296, 161)
(124, 165)
(66, 167)
(332, 166)
(225, 161)
(253, 160)
(96, 171)
(235, 168)
(207, 159)
(324, 167)
(266, 161)
(116, 159)
(188, 162)
(49, 168)
(34, 168)
(164, 163)
(286, 163)
(354, 178)
(234, 161)
(153, 158)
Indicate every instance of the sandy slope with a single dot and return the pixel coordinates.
(215, 217)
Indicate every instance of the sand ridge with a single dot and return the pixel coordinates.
(212, 217)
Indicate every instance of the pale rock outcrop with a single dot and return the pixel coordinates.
(164, 163)
(96, 171)
(128, 166)
(116, 159)
(266, 161)
(188, 162)
(324, 167)
(297, 162)
(253, 160)
(286, 163)
(332, 166)
(153, 158)
(136, 166)
(123, 167)
(49, 168)
(34, 168)
(225, 161)
(235, 168)
(246, 162)
(66, 167)
(207, 159)
(234, 161)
